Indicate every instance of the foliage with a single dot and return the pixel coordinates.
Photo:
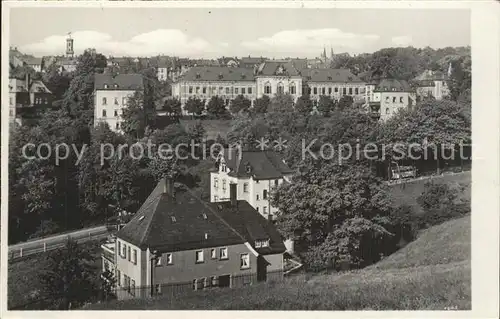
(304, 104)
(69, 277)
(261, 104)
(137, 116)
(345, 102)
(281, 103)
(217, 107)
(240, 104)
(172, 107)
(325, 105)
(194, 106)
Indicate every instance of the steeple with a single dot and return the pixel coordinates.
(69, 46)
(331, 53)
(324, 54)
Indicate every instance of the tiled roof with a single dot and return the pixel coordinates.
(271, 68)
(32, 60)
(329, 75)
(214, 73)
(36, 86)
(429, 75)
(393, 85)
(180, 222)
(123, 81)
(259, 164)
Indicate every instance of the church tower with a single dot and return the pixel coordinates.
(69, 46)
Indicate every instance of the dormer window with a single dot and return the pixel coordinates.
(105, 86)
(220, 76)
(198, 75)
(243, 76)
(248, 169)
(329, 78)
(262, 243)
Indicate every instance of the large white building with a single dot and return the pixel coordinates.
(387, 96)
(111, 97)
(432, 83)
(255, 174)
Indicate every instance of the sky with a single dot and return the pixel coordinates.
(209, 33)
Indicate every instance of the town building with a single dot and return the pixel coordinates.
(431, 83)
(33, 62)
(278, 77)
(27, 97)
(250, 62)
(206, 82)
(334, 83)
(386, 97)
(111, 94)
(177, 242)
(255, 173)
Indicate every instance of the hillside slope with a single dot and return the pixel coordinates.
(431, 273)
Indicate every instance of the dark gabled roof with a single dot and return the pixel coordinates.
(270, 68)
(29, 60)
(251, 225)
(329, 75)
(393, 85)
(300, 64)
(260, 164)
(225, 225)
(215, 73)
(124, 81)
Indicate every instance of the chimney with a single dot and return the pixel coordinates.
(232, 194)
(169, 186)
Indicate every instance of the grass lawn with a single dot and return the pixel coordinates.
(23, 283)
(407, 193)
(212, 127)
(432, 273)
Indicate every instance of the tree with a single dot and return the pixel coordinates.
(325, 105)
(281, 103)
(325, 198)
(70, 276)
(345, 102)
(172, 107)
(240, 104)
(261, 105)
(194, 106)
(216, 107)
(304, 104)
(136, 116)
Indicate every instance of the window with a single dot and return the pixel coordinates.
(257, 209)
(204, 90)
(199, 256)
(227, 90)
(213, 253)
(265, 243)
(323, 91)
(315, 90)
(223, 253)
(350, 91)
(116, 112)
(223, 184)
(120, 248)
(158, 261)
(249, 90)
(245, 187)
(227, 101)
(124, 101)
(117, 125)
(221, 89)
(400, 99)
(190, 90)
(216, 198)
(257, 197)
(236, 90)
(243, 91)
(10, 101)
(281, 88)
(387, 111)
(387, 98)
(336, 89)
(134, 257)
(104, 101)
(356, 91)
(105, 86)
(276, 182)
(258, 244)
(329, 90)
(264, 194)
(124, 251)
(170, 259)
(126, 282)
(118, 277)
(267, 89)
(116, 101)
(216, 182)
(393, 99)
(132, 287)
(129, 254)
(344, 91)
(197, 90)
(215, 281)
(256, 181)
(245, 261)
(264, 210)
(292, 89)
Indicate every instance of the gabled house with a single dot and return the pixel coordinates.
(278, 77)
(385, 97)
(177, 242)
(431, 83)
(27, 96)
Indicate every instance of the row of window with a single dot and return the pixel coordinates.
(245, 187)
(394, 98)
(116, 113)
(105, 101)
(221, 90)
(126, 252)
(331, 90)
(204, 283)
(199, 256)
(280, 89)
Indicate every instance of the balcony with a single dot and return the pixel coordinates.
(108, 250)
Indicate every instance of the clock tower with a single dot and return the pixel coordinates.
(69, 46)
